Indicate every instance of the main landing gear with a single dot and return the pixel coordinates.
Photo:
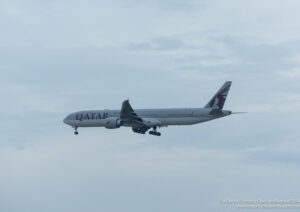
(154, 132)
(76, 132)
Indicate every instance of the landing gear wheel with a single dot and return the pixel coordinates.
(76, 133)
(154, 133)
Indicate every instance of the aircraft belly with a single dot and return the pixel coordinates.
(183, 121)
(88, 123)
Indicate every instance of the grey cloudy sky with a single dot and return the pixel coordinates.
(62, 56)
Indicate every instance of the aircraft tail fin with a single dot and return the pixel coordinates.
(218, 100)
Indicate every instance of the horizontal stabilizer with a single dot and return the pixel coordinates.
(215, 112)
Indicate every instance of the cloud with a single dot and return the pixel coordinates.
(66, 170)
(293, 73)
(160, 44)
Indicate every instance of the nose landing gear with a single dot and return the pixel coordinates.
(76, 132)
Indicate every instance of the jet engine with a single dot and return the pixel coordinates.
(112, 123)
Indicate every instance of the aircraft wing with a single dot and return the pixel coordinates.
(139, 125)
(128, 115)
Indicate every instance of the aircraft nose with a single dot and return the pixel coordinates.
(66, 120)
(69, 119)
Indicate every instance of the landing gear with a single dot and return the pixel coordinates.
(140, 129)
(154, 132)
(76, 132)
(144, 128)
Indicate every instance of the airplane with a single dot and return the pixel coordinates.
(141, 120)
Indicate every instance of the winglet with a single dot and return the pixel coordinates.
(218, 100)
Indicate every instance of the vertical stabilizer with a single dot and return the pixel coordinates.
(218, 101)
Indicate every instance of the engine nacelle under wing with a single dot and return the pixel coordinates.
(112, 123)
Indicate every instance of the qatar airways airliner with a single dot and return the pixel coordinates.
(141, 120)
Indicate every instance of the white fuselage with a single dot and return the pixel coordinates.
(162, 117)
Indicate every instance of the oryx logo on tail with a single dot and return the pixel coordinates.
(218, 101)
